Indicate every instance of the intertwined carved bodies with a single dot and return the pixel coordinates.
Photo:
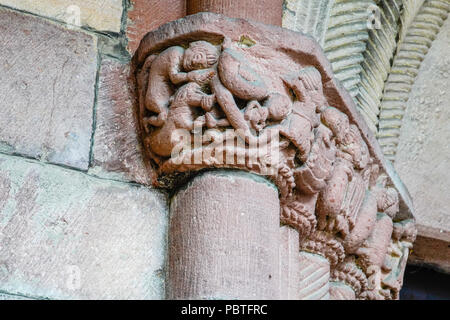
(166, 71)
(180, 116)
(328, 181)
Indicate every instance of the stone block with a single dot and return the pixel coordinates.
(47, 90)
(431, 251)
(103, 15)
(116, 149)
(147, 15)
(66, 235)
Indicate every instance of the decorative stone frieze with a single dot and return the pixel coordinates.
(220, 93)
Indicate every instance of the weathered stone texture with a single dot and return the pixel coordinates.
(5, 296)
(105, 15)
(341, 291)
(415, 40)
(147, 15)
(289, 264)
(423, 153)
(47, 90)
(224, 238)
(431, 251)
(116, 147)
(266, 11)
(64, 234)
(308, 16)
(314, 277)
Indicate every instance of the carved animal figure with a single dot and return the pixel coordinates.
(275, 108)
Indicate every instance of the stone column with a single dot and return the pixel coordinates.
(266, 11)
(258, 103)
(223, 239)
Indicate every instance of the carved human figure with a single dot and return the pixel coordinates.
(236, 78)
(328, 182)
(315, 148)
(364, 224)
(175, 66)
(348, 138)
(341, 200)
(312, 176)
(374, 248)
(403, 236)
(305, 111)
(181, 115)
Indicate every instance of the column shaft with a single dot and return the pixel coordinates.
(224, 238)
(265, 11)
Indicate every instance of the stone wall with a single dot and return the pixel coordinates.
(78, 219)
(78, 215)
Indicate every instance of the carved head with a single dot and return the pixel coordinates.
(256, 115)
(337, 122)
(311, 78)
(307, 86)
(279, 106)
(387, 201)
(187, 92)
(200, 55)
(405, 231)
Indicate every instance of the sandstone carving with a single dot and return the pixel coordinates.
(208, 101)
(379, 65)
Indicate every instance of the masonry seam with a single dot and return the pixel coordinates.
(85, 29)
(22, 295)
(75, 170)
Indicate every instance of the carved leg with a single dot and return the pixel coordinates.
(231, 110)
(156, 121)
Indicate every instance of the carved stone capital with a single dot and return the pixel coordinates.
(214, 92)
